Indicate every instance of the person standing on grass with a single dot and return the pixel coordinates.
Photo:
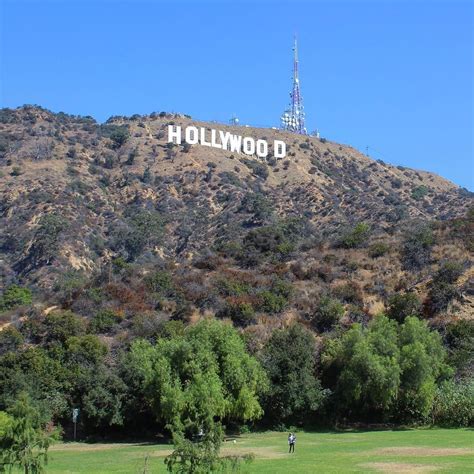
(291, 442)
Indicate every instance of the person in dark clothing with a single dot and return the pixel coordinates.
(291, 442)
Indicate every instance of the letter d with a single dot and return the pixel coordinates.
(279, 149)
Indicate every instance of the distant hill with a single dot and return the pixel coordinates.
(79, 199)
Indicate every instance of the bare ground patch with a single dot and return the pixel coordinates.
(422, 451)
(94, 447)
(399, 467)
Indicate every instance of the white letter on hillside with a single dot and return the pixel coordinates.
(213, 140)
(279, 149)
(262, 148)
(249, 146)
(225, 137)
(203, 137)
(172, 134)
(192, 136)
(235, 143)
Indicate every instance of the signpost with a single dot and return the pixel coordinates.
(75, 414)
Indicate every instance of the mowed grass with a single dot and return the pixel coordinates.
(408, 451)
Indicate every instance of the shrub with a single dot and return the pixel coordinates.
(241, 313)
(104, 320)
(402, 305)
(378, 249)
(443, 290)
(327, 314)
(454, 403)
(416, 251)
(355, 237)
(15, 296)
(118, 134)
(459, 338)
(271, 302)
(419, 192)
(161, 283)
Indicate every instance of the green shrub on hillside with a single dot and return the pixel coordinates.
(402, 305)
(15, 296)
(355, 237)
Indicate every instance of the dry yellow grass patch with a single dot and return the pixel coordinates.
(422, 451)
(399, 467)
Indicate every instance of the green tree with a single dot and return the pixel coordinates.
(194, 382)
(362, 367)
(26, 440)
(295, 391)
(422, 364)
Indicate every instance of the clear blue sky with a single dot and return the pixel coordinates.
(396, 76)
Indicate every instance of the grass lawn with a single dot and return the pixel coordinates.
(408, 451)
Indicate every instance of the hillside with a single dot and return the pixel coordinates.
(140, 279)
(77, 197)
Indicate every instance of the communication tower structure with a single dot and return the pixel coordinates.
(234, 120)
(294, 117)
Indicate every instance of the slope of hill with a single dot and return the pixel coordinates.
(83, 197)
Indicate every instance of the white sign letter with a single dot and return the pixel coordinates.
(262, 148)
(172, 134)
(192, 135)
(235, 143)
(279, 149)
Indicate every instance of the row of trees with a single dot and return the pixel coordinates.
(193, 382)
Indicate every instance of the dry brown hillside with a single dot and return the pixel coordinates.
(78, 195)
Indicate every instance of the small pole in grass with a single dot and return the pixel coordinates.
(75, 414)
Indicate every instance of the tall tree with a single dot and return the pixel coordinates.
(295, 390)
(194, 382)
(25, 441)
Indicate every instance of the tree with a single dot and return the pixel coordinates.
(422, 364)
(362, 367)
(26, 439)
(194, 382)
(295, 391)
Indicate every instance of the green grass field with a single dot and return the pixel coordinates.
(409, 451)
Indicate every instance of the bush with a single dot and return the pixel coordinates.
(355, 237)
(241, 313)
(15, 296)
(402, 305)
(454, 404)
(327, 314)
(160, 283)
(459, 338)
(419, 192)
(378, 249)
(103, 321)
(416, 251)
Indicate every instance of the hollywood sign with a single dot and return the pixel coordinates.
(225, 141)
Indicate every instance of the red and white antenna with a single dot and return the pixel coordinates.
(294, 117)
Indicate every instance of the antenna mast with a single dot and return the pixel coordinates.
(293, 118)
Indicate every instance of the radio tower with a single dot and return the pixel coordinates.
(293, 118)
